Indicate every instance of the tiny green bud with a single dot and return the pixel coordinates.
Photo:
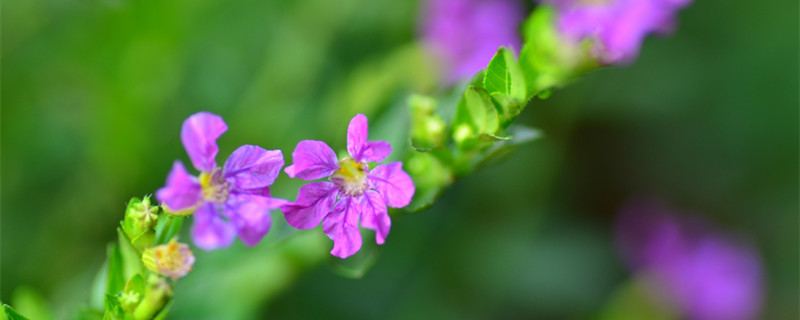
(129, 300)
(427, 127)
(145, 215)
(462, 133)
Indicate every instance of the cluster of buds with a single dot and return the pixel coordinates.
(148, 290)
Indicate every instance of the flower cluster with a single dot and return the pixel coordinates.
(616, 27)
(708, 275)
(235, 199)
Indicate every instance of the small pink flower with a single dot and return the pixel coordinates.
(228, 201)
(362, 194)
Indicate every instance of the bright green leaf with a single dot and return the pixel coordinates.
(168, 226)
(32, 303)
(113, 309)
(504, 76)
(116, 270)
(476, 114)
(131, 258)
(12, 314)
(99, 287)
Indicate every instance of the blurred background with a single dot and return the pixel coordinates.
(94, 93)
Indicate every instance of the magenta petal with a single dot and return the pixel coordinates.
(394, 184)
(375, 216)
(249, 213)
(314, 201)
(357, 135)
(375, 151)
(199, 135)
(209, 230)
(182, 190)
(312, 160)
(358, 147)
(341, 225)
(253, 167)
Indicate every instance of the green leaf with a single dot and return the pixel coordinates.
(99, 287)
(113, 309)
(32, 303)
(504, 76)
(476, 114)
(89, 314)
(357, 265)
(546, 60)
(161, 315)
(12, 314)
(116, 271)
(131, 257)
(168, 226)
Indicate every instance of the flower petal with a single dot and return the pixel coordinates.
(341, 225)
(209, 230)
(312, 160)
(394, 184)
(314, 201)
(182, 190)
(358, 147)
(253, 167)
(375, 216)
(356, 135)
(199, 135)
(250, 216)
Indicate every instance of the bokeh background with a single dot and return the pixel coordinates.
(94, 93)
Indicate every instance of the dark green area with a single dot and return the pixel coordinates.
(94, 92)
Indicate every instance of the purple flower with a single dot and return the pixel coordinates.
(707, 275)
(362, 194)
(465, 34)
(618, 27)
(231, 200)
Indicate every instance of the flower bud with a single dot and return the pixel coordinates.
(427, 127)
(173, 259)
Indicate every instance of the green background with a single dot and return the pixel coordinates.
(94, 93)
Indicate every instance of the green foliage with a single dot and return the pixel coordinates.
(476, 117)
(547, 60)
(168, 226)
(505, 82)
(504, 76)
(11, 314)
(31, 302)
(113, 309)
(131, 257)
(116, 271)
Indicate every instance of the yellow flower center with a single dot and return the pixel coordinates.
(215, 188)
(351, 177)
